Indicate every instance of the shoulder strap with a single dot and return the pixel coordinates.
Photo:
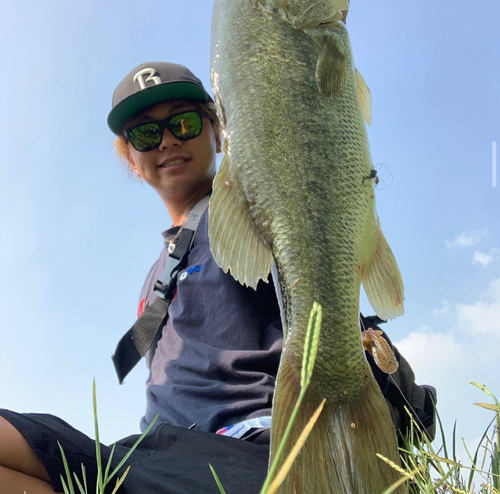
(143, 335)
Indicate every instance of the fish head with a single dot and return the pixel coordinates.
(302, 14)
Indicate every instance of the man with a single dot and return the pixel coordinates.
(213, 365)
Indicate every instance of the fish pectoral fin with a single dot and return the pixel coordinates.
(365, 97)
(235, 242)
(382, 280)
(331, 70)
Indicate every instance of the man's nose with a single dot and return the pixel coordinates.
(169, 140)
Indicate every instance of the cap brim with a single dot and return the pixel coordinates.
(143, 99)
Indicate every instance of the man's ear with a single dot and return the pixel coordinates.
(133, 166)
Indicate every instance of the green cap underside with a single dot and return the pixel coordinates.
(150, 96)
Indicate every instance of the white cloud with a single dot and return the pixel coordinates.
(443, 310)
(484, 259)
(482, 317)
(467, 239)
(434, 357)
(481, 258)
(465, 349)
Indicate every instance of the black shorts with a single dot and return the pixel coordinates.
(169, 460)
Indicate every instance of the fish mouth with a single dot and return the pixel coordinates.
(325, 23)
(174, 162)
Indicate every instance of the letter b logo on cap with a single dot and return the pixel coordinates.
(139, 77)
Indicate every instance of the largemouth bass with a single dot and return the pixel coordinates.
(295, 190)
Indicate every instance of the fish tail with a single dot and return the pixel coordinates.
(339, 456)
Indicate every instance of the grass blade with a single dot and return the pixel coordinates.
(100, 484)
(454, 438)
(281, 447)
(393, 465)
(108, 466)
(66, 470)
(79, 484)
(120, 480)
(407, 476)
(65, 487)
(280, 477)
(307, 369)
(311, 345)
(476, 454)
(443, 480)
(443, 437)
(99, 473)
(444, 460)
(483, 388)
(84, 474)
(488, 406)
(217, 480)
(132, 449)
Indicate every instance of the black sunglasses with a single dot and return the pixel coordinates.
(183, 126)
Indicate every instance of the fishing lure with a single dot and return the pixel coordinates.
(380, 350)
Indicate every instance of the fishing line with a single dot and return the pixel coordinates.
(382, 177)
(410, 408)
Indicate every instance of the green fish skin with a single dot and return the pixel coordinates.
(295, 190)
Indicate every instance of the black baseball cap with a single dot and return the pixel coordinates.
(151, 83)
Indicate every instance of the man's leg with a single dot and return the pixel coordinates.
(19, 465)
(13, 482)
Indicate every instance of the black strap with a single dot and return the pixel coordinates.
(137, 340)
(145, 333)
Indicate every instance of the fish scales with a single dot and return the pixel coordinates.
(300, 167)
(313, 189)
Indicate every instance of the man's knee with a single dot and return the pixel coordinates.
(16, 454)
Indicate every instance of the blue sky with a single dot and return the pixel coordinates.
(79, 235)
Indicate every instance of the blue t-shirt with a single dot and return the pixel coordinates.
(217, 359)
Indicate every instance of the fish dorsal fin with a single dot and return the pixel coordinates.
(365, 97)
(235, 242)
(382, 280)
(331, 70)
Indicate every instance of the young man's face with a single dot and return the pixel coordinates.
(176, 166)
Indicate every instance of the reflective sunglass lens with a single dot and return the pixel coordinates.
(185, 125)
(145, 137)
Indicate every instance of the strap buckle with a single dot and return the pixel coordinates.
(161, 289)
(165, 284)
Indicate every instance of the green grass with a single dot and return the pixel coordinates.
(430, 471)
(424, 469)
(104, 476)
